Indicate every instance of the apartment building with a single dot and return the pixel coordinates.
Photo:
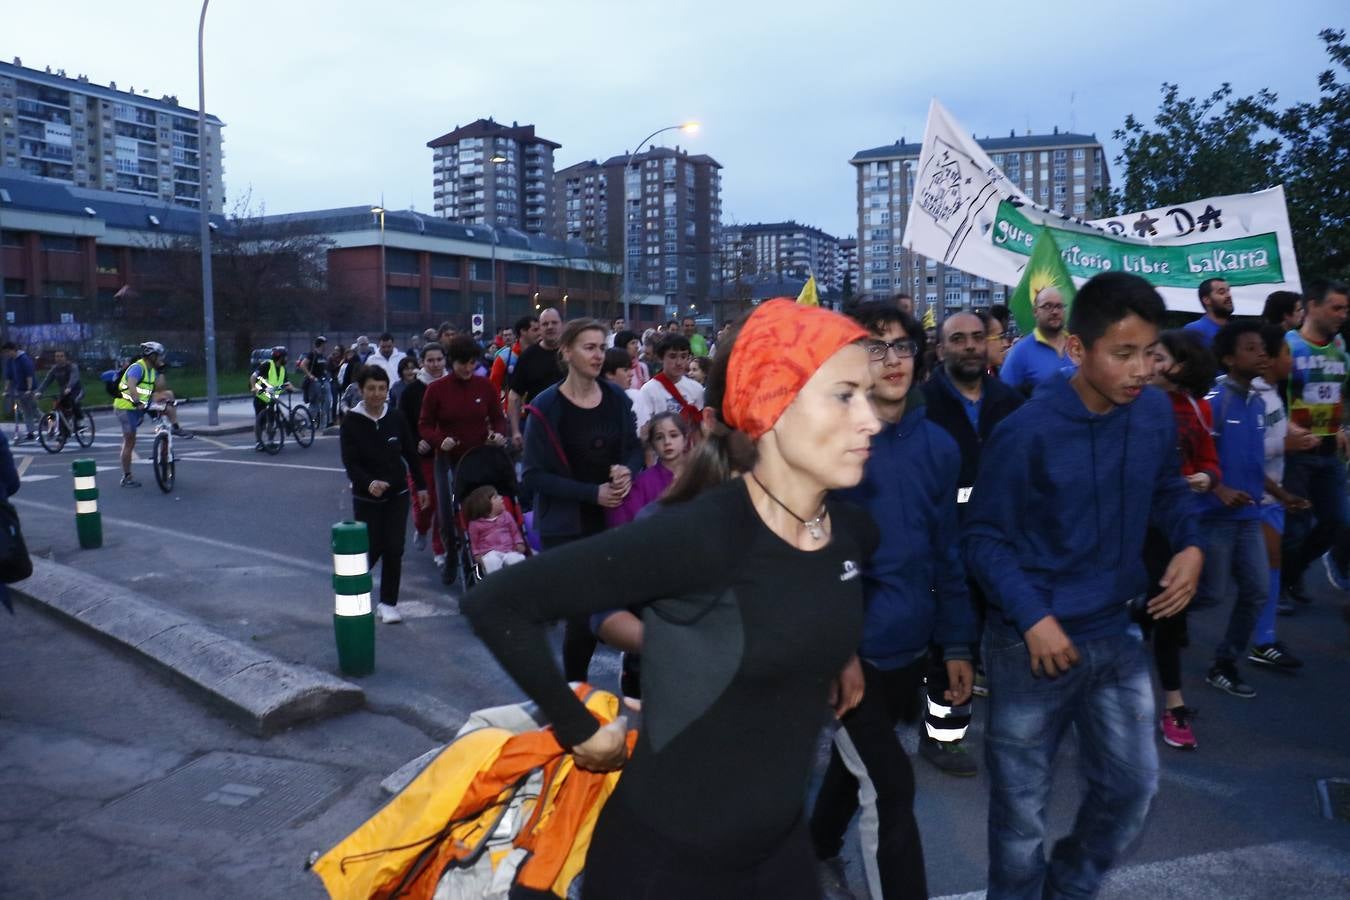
(673, 218)
(781, 248)
(487, 173)
(84, 134)
(1059, 170)
(848, 263)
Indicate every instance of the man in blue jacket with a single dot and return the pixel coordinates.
(1068, 485)
(916, 594)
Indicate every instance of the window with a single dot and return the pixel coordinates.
(444, 267)
(401, 261)
(444, 302)
(1061, 155)
(60, 244)
(403, 299)
(482, 270)
(1078, 153)
(1079, 208)
(518, 273)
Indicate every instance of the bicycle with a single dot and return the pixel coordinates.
(273, 424)
(162, 459)
(57, 426)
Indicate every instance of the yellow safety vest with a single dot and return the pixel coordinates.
(275, 377)
(145, 388)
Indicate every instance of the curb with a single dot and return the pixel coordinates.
(264, 693)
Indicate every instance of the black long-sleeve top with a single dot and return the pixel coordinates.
(743, 634)
(382, 449)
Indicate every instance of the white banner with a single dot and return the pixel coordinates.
(966, 214)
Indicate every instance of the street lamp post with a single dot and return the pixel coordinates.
(497, 160)
(688, 127)
(204, 205)
(384, 289)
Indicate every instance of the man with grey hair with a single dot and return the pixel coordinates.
(1038, 356)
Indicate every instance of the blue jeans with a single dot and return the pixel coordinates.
(1109, 699)
(1307, 535)
(1235, 550)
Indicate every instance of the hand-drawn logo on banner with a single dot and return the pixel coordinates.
(953, 189)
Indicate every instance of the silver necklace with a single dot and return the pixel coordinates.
(814, 527)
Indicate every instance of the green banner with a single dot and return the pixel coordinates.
(1254, 259)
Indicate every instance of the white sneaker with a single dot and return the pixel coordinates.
(389, 615)
(439, 559)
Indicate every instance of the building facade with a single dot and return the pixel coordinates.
(848, 263)
(781, 248)
(78, 265)
(673, 219)
(1061, 171)
(486, 173)
(85, 134)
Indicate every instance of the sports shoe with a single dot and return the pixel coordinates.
(438, 559)
(1296, 592)
(389, 615)
(21, 439)
(1339, 580)
(181, 434)
(258, 447)
(1276, 656)
(419, 540)
(1224, 676)
(1176, 728)
(128, 481)
(950, 757)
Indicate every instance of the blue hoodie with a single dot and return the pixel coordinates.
(1057, 519)
(915, 585)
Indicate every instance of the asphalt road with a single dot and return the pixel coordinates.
(114, 777)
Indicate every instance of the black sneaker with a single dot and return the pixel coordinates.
(1225, 677)
(182, 435)
(1276, 656)
(950, 757)
(128, 481)
(258, 447)
(1295, 591)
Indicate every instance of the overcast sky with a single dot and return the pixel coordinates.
(332, 103)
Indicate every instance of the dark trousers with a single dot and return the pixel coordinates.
(1307, 535)
(1170, 636)
(258, 406)
(578, 639)
(869, 767)
(386, 526)
(628, 859)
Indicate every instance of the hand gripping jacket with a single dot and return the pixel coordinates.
(502, 805)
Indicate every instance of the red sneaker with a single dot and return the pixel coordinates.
(1176, 728)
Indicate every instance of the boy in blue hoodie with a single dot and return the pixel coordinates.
(916, 595)
(1068, 485)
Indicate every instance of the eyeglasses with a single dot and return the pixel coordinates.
(1051, 306)
(904, 349)
(1004, 338)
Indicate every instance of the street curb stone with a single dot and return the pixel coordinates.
(264, 693)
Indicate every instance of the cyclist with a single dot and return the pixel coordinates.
(317, 385)
(66, 374)
(141, 384)
(271, 373)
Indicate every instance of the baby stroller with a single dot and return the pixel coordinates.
(482, 465)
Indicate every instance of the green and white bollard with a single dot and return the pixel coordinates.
(88, 520)
(353, 615)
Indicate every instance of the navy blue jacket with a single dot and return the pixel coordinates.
(915, 584)
(548, 476)
(1240, 437)
(1057, 520)
(946, 410)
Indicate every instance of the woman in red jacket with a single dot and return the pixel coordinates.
(459, 412)
(1184, 368)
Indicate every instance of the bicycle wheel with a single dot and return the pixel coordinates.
(49, 433)
(84, 429)
(273, 434)
(302, 426)
(162, 462)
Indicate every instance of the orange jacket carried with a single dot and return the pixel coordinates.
(499, 806)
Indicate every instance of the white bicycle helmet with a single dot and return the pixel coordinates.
(150, 348)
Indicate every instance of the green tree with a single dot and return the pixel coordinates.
(1316, 163)
(1222, 144)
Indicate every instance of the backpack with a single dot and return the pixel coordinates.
(501, 806)
(112, 378)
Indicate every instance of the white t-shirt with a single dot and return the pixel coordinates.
(1277, 426)
(653, 398)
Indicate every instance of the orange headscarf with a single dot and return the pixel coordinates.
(777, 351)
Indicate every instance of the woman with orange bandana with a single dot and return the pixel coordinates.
(740, 651)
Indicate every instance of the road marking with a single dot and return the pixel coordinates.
(213, 442)
(251, 462)
(198, 454)
(29, 479)
(24, 464)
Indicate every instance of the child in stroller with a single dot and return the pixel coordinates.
(494, 536)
